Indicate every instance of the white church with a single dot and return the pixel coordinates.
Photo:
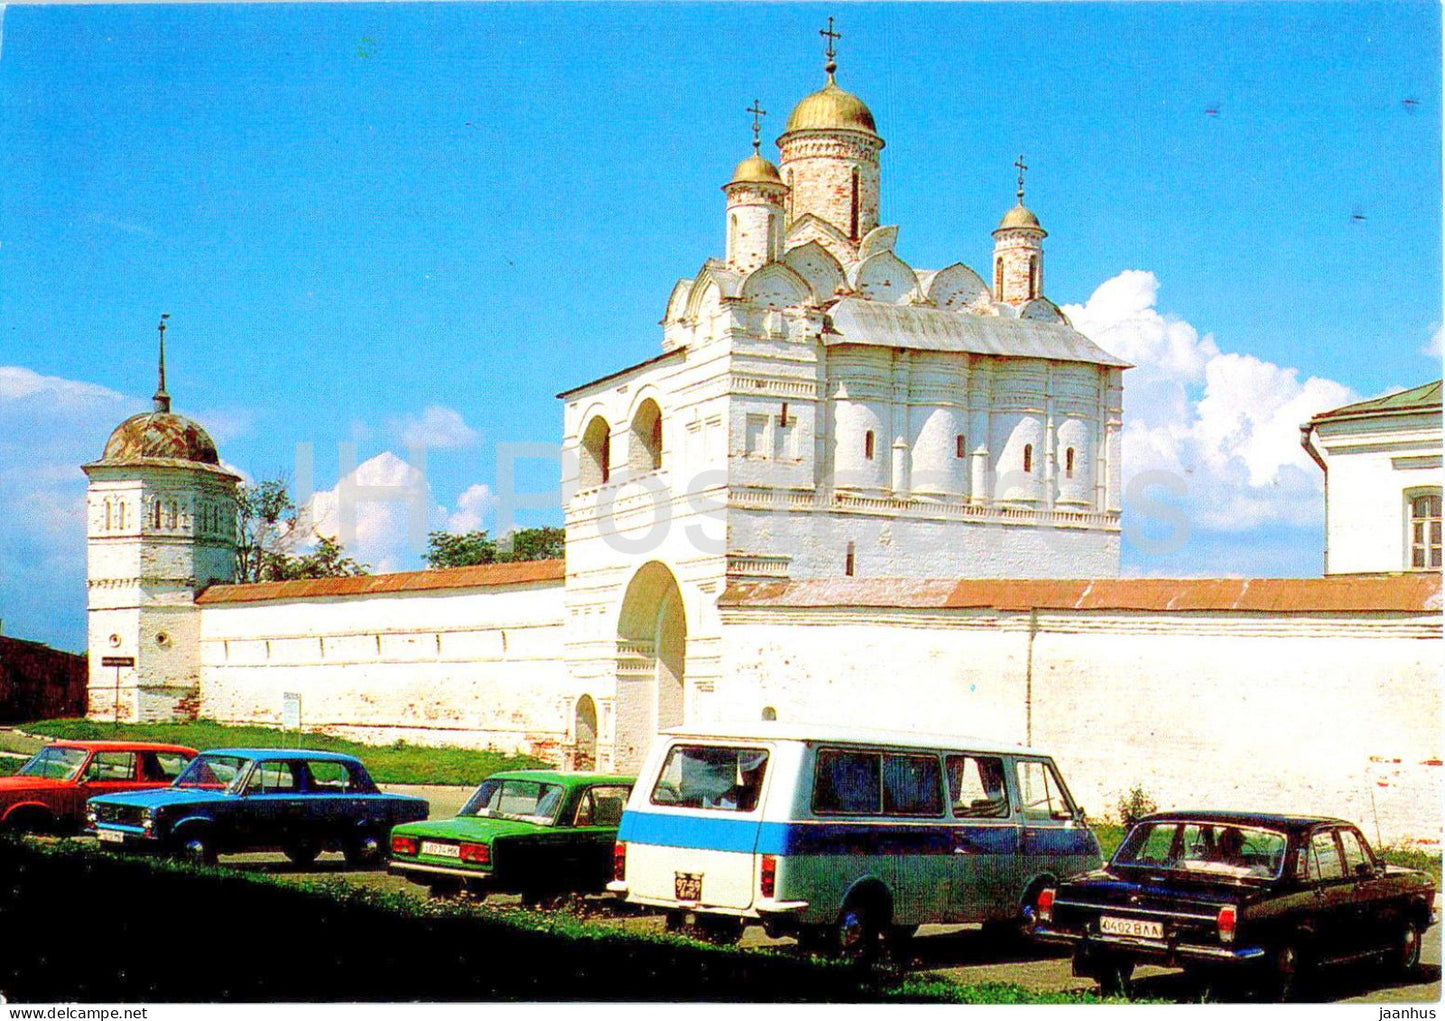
(846, 490)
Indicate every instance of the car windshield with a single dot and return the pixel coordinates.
(522, 800)
(54, 763)
(1205, 848)
(714, 777)
(212, 772)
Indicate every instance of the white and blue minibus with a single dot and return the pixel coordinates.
(843, 836)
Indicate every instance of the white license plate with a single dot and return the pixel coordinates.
(441, 850)
(1131, 927)
(111, 836)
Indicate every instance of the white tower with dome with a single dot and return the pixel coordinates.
(161, 526)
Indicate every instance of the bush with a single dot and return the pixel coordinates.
(1135, 805)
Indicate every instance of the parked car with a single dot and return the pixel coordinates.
(231, 800)
(533, 832)
(1272, 897)
(49, 792)
(844, 837)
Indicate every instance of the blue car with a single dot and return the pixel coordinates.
(231, 800)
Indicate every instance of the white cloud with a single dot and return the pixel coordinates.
(436, 427)
(380, 513)
(1435, 346)
(1226, 423)
(474, 506)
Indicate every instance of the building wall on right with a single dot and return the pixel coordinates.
(1382, 462)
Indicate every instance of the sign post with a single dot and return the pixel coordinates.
(291, 713)
(117, 662)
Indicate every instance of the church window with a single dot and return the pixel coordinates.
(783, 417)
(107, 515)
(853, 216)
(1028, 457)
(1425, 531)
(960, 448)
(1033, 276)
(849, 560)
(156, 515)
(645, 444)
(1069, 463)
(868, 444)
(998, 279)
(596, 466)
(173, 519)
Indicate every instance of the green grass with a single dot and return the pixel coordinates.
(393, 763)
(1110, 835)
(926, 988)
(9, 765)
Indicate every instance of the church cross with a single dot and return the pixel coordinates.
(832, 37)
(758, 114)
(1022, 167)
(163, 399)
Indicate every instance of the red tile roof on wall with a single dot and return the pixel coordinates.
(527, 572)
(1397, 593)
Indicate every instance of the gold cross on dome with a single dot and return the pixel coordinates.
(832, 37)
(758, 114)
(1022, 167)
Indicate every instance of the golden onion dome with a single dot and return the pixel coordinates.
(1020, 216)
(160, 435)
(756, 170)
(832, 109)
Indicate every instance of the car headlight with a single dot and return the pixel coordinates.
(90, 813)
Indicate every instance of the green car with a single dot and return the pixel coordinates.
(535, 832)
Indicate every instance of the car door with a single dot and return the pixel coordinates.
(273, 813)
(984, 845)
(590, 842)
(1370, 914)
(331, 804)
(1050, 839)
(1334, 895)
(107, 772)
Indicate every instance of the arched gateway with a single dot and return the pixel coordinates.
(651, 659)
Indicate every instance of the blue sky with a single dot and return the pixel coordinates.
(357, 213)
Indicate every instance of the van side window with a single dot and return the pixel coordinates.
(1043, 796)
(704, 776)
(910, 785)
(976, 787)
(847, 783)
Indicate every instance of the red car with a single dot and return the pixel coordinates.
(49, 792)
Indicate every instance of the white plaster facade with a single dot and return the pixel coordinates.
(1382, 464)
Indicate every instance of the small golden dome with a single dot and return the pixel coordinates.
(159, 435)
(1020, 216)
(756, 170)
(832, 109)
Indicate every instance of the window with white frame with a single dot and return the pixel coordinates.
(1424, 511)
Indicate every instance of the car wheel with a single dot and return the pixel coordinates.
(1287, 973)
(444, 887)
(301, 854)
(856, 935)
(1407, 949)
(475, 890)
(1116, 977)
(198, 849)
(363, 850)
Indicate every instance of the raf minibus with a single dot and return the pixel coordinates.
(842, 836)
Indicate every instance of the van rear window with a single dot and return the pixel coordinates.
(708, 776)
(874, 783)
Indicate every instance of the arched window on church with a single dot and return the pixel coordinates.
(174, 518)
(156, 515)
(1028, 458)
(850, 560)
(1069, 463)
(960, 446)
(107, 516)
(645, 444)
(596, 466)
(853, 218)
(733, 235)
(868, 444)
(1033, 276)
(998, 280)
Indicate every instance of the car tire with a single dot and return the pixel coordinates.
(857, 933)
(362, 851)
(1406, 956)
(475, 890)
(301, 855)
(439, 888)
(198, 849)
(1288, 973)
(1115, 976)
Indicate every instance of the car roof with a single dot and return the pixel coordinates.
(568, 778)
(770, 730)
(1275, 820)
(282, 753)
(126, 746)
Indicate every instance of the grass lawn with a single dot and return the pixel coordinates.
(393, 763)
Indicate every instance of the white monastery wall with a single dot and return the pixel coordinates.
(1336, 716)
(479, 667)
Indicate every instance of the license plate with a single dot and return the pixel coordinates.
(688, 886)
(111, 836)
(441, 850)
(1131, 927)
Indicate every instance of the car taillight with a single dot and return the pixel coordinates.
(768, 876)
(477, 854)
(619, 861)
(403, 845)
(1228, 919)
(1046, 905)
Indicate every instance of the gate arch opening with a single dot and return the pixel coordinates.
(651, 661)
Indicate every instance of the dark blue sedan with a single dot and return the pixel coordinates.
(231, 800)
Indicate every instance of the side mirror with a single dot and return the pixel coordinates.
(1366, 868)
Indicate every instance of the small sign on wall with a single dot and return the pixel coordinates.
(290, 710)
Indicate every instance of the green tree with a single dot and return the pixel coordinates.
(449, 549)
(267, 523)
